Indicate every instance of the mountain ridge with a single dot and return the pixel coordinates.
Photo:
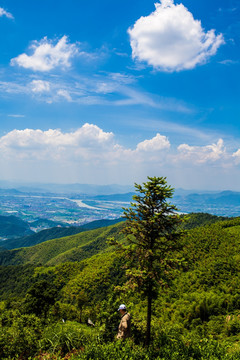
(84, 244)
(78, 247)
(13, 226)
(54, 233)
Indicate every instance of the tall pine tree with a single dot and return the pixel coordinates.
(152, 229)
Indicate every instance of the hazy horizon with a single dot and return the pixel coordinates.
(5, 184)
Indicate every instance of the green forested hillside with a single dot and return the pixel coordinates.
(54, 233)
(190, 221)
(75, 247)
(13, 226)
(193, 220)
(196, 317)
(39, 237)
(70, 248)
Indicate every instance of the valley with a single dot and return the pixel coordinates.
(60, 210)
(43, 209)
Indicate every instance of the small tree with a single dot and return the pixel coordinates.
(152, 233)
(40, 297)
(82, 300)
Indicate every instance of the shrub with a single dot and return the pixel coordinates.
(66, 336)
(20, 337)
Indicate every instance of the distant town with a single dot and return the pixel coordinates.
(59, 209)
(48, 209)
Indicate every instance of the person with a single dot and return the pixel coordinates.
(124, 329)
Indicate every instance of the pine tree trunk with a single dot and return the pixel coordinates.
(149, 316)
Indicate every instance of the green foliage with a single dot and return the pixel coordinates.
(39, 298)
(13, 226)
(63, 337)
(193, 220)
(164, 348)
(71, 248)
(19, 335)
(197, 317)
(113, 351)
(152, 229)
(96, 278)
(152, 233)
(15, 280)
(54, 232)
(41, 236)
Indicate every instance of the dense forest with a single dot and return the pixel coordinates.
(52, 292)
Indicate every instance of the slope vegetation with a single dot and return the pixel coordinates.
(81, 277)
(54, 233)
(71, 248)
(12, 226)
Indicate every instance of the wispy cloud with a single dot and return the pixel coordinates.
(13, 87)
(229, 62)
(132, 96)
(40, 86)
(16, 115)
(172, 128)
(108, 89)
(6, 13)
(236, 156)
(229, 9)
(64, 94)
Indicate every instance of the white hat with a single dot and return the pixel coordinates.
(122, 307)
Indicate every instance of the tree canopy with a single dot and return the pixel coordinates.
(152, 229)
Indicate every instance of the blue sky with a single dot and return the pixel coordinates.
(113, 91)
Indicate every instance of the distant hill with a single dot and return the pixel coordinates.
(71, 248)
(193, 220)
(89, 189)
(84, 244)
(190, 221)
(96, 224)
(12, 226)
(221, 203)
(226, 197)
(45, 223)
(115, 197)
(39, 237)
(224, 203)
(54, 233)
(9, 192)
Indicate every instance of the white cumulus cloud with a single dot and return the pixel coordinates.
(93, 143)
(159, 142)
(91, 154)
(170, 39)
(5, 13)
(87, 136)
(88, 142)
(47, 55)
(202, 154)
